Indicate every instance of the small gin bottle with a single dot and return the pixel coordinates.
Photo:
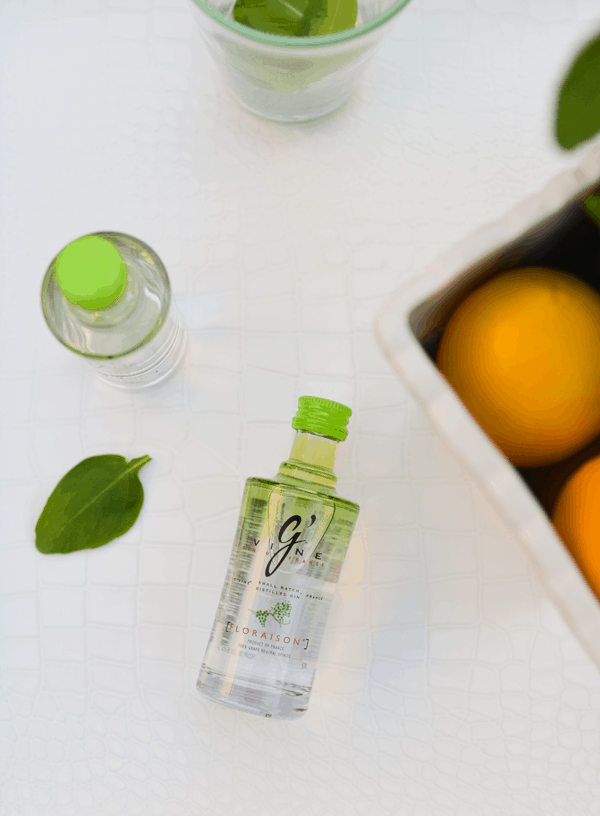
(291, 541)
(107, 297)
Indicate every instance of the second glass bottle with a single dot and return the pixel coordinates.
(107, 297)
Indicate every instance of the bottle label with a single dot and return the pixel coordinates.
(296, 526)
(280, 582)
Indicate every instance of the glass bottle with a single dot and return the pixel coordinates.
(291, 541)
(107, 297)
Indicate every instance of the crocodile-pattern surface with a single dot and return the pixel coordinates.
(449, 684)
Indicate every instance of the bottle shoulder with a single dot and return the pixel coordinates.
(127, 324)
(267, 485)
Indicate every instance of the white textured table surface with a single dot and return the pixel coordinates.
(448, 683)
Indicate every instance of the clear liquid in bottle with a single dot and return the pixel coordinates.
(292, 537)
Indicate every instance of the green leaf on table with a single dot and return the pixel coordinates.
(578, 110)
(296, 18)
(98, 500)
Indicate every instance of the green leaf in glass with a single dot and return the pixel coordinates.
(297, 18)
(97, 501)
(285, 17)
(336, 15)
(578, 110)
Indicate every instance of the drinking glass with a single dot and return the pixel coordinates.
(292, 79)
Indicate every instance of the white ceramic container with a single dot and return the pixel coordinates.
(409, 326)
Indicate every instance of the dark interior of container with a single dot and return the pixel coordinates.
(572, 244)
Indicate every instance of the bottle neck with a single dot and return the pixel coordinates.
(116, 313)
(311, 460)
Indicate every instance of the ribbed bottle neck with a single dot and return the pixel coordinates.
(117, 314)
(312, 459)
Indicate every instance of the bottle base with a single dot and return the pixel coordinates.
(283, 701)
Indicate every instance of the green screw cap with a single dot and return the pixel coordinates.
(316, 415)
(90, 272)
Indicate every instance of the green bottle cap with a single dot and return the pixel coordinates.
(90, 272)
(322, 416)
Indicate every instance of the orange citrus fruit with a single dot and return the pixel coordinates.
(522, 351)
(576, 518)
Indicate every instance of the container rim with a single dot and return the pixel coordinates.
(498, 479)
(300, 42)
